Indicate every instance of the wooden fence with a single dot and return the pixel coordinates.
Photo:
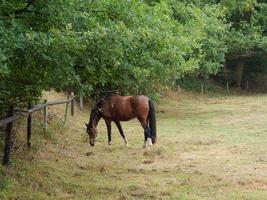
(12, 117)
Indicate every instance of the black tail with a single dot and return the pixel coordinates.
(152, 121)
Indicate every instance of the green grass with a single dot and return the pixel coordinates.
(208, 148)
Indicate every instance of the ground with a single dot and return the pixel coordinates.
(209, 147)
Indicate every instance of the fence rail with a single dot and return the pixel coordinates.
(28, 113)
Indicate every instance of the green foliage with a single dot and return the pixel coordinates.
(248, 31)
(133, 46)
(206, 31)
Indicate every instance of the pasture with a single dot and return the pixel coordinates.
(209, 147)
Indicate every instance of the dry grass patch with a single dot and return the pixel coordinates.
(208, 148)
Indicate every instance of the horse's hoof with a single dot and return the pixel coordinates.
(149, 142)
(110, 143)
(125, 142)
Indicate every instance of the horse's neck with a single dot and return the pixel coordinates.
(102, 101)
(99, 103)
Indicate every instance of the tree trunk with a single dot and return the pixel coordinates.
(239, 72)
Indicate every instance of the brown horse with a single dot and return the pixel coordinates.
(118, 108)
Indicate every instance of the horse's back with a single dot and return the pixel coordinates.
(130, 99)
(140, 101)
(133, 101)
(125, 108)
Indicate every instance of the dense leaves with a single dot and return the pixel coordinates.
(133, 46)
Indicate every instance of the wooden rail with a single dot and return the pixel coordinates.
(28, 113)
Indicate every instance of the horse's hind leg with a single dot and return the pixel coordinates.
(118, 124)
(147, 134)
(146, 139)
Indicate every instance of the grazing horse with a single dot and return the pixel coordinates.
(116, 108)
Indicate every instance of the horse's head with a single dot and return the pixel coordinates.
(91, 129)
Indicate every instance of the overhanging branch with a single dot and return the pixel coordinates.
(24, 9)
(247, 55)
(19, 11)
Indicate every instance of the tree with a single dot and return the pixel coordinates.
(247, 36)
(134, 46)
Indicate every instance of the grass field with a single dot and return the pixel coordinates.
(208, 148)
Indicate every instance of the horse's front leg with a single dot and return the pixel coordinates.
(118, 124)
(108, 124)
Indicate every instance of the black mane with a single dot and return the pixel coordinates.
(95, 113)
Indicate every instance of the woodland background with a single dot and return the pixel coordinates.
(132, 46)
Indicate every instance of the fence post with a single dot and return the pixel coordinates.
(202, 88)
(179, 88)
(66, 112)
(81, 102)
(45, 116)
(72, 104)
(8, 137)
(29, 127)
(227, 86)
